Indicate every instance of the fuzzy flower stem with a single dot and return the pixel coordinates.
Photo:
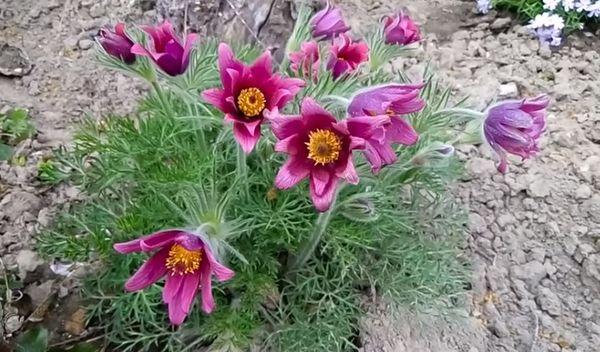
(161, 96)
(308, 248)
(464, 112)
(242, 170)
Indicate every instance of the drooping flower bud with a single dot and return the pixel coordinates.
(433, 154)
(360, 207)
(514, 127)
(328, 23)
(116, 43)
(401, 30)
(167, 51)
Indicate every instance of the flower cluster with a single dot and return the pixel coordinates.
(319, 145)
(169, 53)
(548, 28)
(558, 16)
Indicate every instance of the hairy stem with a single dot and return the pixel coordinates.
(308, 248)
(242, 170)
(161, 96)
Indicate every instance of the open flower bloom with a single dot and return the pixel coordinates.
(401, 30)
(320, 148)
(249, 91)
(346, 55)
(514, 127)
(328, 23)
(185, 260)
(306, 60)
(116, 43)
(393, 100)
(167, 50)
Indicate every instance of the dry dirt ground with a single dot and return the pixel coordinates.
(534, 233)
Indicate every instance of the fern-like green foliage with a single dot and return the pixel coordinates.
(175, 164)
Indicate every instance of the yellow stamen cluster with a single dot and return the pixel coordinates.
(323, 146)
(251, 101)
(183, 261)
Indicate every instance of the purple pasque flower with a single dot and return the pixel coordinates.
(328, 23)
(401, 30)
(167, 50)
(116, 43)
(248, 92)
(306, 60)
(187, 263)
(346, 55)
(319, 148)
(514, 127)
(393, 100)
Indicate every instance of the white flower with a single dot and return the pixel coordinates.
(551, 4)
(547, 20)
(568, 4)
(594, 10)
(484, 6)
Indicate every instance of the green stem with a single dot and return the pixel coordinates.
(161, 96)
(242, 170)
(308, 248)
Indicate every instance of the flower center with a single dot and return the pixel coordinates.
(251, 101)
(323, 146)
(183, 261)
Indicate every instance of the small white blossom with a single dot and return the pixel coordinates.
(548, 28)
(551, 4)
(568, 4)
(484, 6)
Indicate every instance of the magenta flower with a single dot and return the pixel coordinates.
(248, 92)
(514, 127)
(393, 100)
(320, 148)
(185, 260)
(306, 60)
(401, 30)
(116, 43)
(328, 23)
(166, 50)
(346, 55)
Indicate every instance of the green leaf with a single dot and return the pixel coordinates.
(5, 151)
(34, 340)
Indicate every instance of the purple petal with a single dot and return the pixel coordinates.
(292, 172)
(208, 302)
(158, 239)
(246, 140)
(323, 199)
(188, 291)
(400, 131)
(152, 270)
(222, 272)
(172, 286)
(128, 247)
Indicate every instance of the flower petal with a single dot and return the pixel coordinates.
(172, 286)
(246, 140)
(188, 291)
(128, 247)
(152, 270)
(208, 302)
(159, 239)
(222, 272)
(293, 171)
(215, 97)
(323, 199)
(400, 131)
